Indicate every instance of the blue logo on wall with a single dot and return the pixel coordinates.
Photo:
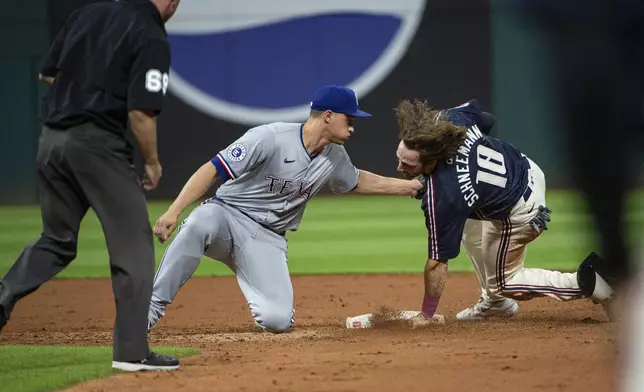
(258, 61)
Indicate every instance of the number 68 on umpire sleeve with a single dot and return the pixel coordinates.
(149, 76)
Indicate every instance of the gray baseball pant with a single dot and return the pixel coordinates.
(256, 255)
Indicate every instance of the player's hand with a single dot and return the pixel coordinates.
(420, 320)
(152, 176)
(416, 187)
(419, 192)
(540, 221)
(165, 226)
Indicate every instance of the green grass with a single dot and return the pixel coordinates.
(342, 234)
(348, 234)
(48, 368)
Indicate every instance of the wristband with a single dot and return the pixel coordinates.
(429, 305)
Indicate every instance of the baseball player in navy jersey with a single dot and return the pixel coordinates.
(485, 193)
(270, 173)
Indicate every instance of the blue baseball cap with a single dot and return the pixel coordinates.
(337, 99)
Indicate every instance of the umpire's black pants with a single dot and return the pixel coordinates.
(79, 168)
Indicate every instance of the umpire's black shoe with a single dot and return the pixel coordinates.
(154, 362)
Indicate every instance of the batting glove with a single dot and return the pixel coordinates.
(538, 223)
(421, 193)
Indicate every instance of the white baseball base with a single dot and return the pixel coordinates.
(364, 320)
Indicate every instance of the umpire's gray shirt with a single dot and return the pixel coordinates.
(270, 176)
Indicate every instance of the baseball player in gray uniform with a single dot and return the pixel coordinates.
(270, 173)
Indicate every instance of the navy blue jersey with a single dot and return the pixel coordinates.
(469, 114)
(483, 181)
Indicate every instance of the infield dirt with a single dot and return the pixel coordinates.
(549, 346)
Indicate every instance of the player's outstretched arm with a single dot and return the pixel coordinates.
(373, 184)
(435, 276)
(197, 185)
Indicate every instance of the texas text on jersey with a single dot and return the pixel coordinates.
(483, 181)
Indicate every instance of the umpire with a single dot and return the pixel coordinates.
(109, 64)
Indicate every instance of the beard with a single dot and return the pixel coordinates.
(407, 176)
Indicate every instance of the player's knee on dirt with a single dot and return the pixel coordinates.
(520, 296)
(272, 318)
(517, 296)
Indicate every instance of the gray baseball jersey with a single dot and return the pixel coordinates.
(270, 176)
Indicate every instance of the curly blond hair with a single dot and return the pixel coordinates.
(425, 129)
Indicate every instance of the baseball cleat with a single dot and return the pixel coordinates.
(483, 310)
(154, 362)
